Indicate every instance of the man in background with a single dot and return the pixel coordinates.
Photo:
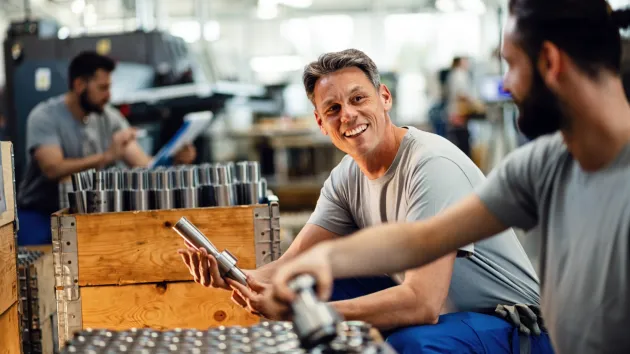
(70, 133)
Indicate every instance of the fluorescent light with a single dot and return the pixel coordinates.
(212, 31)
(267, 9)
(190, 31)
(280, 63)
(77, 6)
(445, 5)
(90, 15)
(63, 33)
(302, 4)
(476, 6)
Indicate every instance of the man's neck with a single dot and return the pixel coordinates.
(600, 127)
(376, 164)
(72, 101)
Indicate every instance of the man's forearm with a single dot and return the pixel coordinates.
(70, 166)
(387, 309)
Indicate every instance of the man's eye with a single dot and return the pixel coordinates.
(333, 109)
(358, 98)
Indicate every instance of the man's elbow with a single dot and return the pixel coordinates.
(430, 316)
(51, 172)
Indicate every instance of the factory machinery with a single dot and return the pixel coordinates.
(189, 186)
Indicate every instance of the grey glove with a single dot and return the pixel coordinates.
(527, 318)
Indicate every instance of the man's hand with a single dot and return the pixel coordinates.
(258, 299)
(186, 155)
(316, 262)
(203, 267)
(120, 141)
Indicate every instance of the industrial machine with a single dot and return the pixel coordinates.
(156, 81)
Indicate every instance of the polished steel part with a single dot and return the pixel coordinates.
(225, 260)
(186, 198)
(99, 180)
(138, 200)
(225, 195)
(97, 201)
(116, 200)
(315, 322)
(263, 338)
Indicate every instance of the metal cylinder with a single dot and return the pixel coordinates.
(176, 177)
(99, 180)
(116, 201)
(241, 171)
(78, 182)
(205, 174)
(225, 195)
(315, 322)
(231, 171)
(222, 175)
(138, 200)
(208, 197)
(114, 179)
(189, 177)
(139, 179)
(187, 198)
(127, 179)
(163, 199)
(253, 171)
(97, 201)
(225, 260)
(78, 201)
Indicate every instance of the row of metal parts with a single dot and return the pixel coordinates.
(190, 186)
(266, 337)
(29, 301)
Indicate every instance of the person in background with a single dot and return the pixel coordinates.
(394, 174)
(461, 103)
(73, 132)
(569, 186)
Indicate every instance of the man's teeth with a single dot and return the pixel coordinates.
(357, 130)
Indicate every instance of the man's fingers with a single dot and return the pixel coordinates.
(242, 290)
(185, 257)
(238, 299)
(204, 272)
(194, 261)
(189, 245)
(256, 285)
(217, 281)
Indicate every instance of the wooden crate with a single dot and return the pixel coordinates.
(121, 270)
(10, 339)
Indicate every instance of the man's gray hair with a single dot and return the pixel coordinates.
(330, 62)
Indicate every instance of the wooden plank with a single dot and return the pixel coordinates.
(160, 306)
(46, 285)
(10, 340)
(8, 268)
(141, 247)
(7, 216)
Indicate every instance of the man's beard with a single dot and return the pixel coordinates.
(87, 106)
(540, 112)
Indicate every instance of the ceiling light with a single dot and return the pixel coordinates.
(63, 33)
(280, 63)
(445, 5)
(77, 6)
(267, 9)
(302, 4)
(476, 6)
(212, 31)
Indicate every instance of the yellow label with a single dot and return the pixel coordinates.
(103, 46)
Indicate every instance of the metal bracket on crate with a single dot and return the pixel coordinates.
(267, 233)
(64, 239)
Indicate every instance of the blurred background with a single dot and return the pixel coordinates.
(243, 60)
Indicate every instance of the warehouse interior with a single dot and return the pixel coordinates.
(228, 76)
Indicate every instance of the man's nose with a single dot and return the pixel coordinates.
(348, 114)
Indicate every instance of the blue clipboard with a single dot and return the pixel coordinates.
(194, 125)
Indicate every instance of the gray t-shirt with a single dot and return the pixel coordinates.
(51, 123)
(583, 220)
(429, 174)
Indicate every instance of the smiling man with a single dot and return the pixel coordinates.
(394, 174)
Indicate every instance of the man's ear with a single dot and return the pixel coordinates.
(550, 64)
(386, 97)
(79, 84)
(318, 119)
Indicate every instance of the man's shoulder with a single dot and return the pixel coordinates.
(345, 169)
(546, 150)
(425, 146)
(47, 110)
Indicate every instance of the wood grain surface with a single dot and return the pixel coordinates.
(161, 307)
(7, 216)
(141, 247)
(8, 270)
(10, 341)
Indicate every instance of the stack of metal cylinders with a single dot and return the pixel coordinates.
(186, 186)
(29, 300)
